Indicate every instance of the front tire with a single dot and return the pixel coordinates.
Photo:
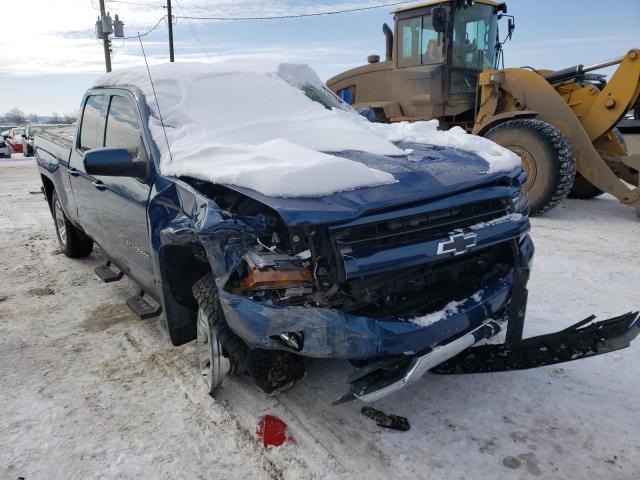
(214, 366)
(272, 370)
(73, 242)
(547, 157)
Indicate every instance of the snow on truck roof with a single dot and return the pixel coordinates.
(271, 127)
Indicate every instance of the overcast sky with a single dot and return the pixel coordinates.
(49, 55)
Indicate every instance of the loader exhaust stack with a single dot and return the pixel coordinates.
(389, 42)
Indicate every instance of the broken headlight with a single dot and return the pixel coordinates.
(267, 271)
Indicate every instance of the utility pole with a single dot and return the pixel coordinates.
(170, 22)
(105, 40)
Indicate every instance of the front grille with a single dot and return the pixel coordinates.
(416, 228)
(425, 288)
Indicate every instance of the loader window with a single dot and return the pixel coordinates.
(474, 45)
(419, 43)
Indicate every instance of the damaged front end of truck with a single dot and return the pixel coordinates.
(398, 288)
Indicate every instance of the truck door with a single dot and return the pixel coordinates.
(122, 201)
(82, 184)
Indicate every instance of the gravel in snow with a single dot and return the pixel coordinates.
(89, 391)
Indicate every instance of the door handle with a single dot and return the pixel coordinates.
(73, 172)
(99, 185)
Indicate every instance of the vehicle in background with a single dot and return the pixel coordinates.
(398, 278)
(443, 63)
(30, 132)
(5, 129)
(5, 151)
(14, 139)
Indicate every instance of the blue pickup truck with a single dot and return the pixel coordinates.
(399, 279)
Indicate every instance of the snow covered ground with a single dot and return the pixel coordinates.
(89, 391)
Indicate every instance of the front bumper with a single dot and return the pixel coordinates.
(331, 333)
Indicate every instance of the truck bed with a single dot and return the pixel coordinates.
(56, 142)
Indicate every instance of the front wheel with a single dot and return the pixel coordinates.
(222, 352)
(214, 366)
(547, 157)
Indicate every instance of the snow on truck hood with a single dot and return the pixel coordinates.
(250, 124)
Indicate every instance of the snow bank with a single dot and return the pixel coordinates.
(250, 124)
(499, 158)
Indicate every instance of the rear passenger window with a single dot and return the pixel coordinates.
(90, 123)
(123, 127)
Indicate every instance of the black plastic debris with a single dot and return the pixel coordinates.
(393, 422)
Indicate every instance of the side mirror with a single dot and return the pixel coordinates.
(439, 19)
(113, 162)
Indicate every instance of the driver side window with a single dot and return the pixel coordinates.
(122, 129)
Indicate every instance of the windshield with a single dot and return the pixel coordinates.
(474, 45)
(474, 37)
(325, 97)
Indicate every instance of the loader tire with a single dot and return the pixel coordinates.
(582, 188)
(272, 370)
(547, 157)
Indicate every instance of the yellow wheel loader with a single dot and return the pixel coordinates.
(443, 63)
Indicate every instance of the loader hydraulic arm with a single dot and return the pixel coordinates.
(616, 99)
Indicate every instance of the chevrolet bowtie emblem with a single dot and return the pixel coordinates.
(458, 243)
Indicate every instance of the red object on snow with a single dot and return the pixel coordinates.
(273, 432)
(15, 146)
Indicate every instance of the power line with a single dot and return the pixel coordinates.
(206, 54)
(136, 3)
(302, 15)
(140, 35)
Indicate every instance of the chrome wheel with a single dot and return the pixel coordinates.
(213, 365)
(61, 227)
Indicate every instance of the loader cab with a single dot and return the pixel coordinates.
(433, 60)
(460, 40)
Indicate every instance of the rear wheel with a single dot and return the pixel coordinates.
(547, 157)
(73, 242)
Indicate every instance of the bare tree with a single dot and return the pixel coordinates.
(55, 118)
(15, 115)
(69, 117)
(33, 118)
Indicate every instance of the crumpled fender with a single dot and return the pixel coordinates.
(191, 218)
